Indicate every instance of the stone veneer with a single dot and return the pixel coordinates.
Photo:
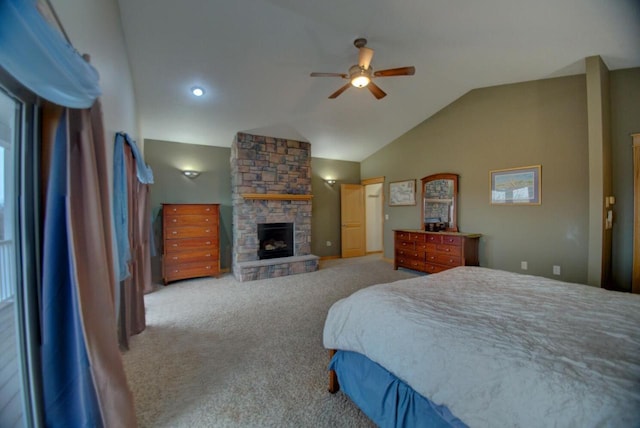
(270, 166)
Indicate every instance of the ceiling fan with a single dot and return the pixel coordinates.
(362, 74)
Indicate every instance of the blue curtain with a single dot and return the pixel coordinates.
(120, 204)
(68, 389)
(41, 59)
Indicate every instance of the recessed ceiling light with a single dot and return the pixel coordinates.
(197, 91)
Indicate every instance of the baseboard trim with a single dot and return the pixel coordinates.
(330, 257)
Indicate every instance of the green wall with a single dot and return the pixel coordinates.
(213, 185)
(325, 222)
(168, 159)
(533, 123)
(541, 122)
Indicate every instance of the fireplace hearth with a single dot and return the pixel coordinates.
(275, 240)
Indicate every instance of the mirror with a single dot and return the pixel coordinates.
(439, 197)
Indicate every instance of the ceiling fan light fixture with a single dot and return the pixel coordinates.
(359, 76)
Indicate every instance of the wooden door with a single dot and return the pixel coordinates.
(352, 220)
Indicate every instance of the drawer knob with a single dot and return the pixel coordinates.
(175, 245)
(207, 230)
(447, 250)
(175, 220)
(176, 271)
(208, 267)
(208, 242)
(206, 219)
(208, 255)
(175, 258)
(175, 209)
(208, 209)
(174, 232)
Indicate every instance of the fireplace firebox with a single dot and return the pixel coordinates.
(275, 239)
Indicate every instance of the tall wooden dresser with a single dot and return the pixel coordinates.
(191, 241)
(434, 252)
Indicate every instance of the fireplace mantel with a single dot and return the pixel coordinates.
(277, 196)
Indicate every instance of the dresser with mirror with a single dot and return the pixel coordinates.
(438, 245)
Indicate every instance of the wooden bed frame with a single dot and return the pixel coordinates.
(334, 386)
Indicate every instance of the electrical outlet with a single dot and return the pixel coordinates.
(386, 216)
(556, 269)
(524, 265)
(328, 243)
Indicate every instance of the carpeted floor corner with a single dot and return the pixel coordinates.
(221, 353)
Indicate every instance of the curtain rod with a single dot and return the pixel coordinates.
(49, 13)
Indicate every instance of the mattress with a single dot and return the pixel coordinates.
(501, 349)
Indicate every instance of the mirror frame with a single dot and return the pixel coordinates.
(453, 225)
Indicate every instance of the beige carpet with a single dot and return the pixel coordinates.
(217, 352)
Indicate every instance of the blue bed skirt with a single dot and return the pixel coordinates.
(385, 399)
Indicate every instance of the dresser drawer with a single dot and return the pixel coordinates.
(407, 245)
(433, 238)
(410, 263)
(176, 245)
(405, 236)
(427, 247)
(448, 260)
(413, 254)
(190, 220)
(431, 268)
(452, 240)
(449, 249)
(191, 256)
(190, 270)
(187, 209)
(190, 232)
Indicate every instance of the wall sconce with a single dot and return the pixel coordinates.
(191, 173)
(330, 181)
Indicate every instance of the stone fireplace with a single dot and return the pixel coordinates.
(271, 184)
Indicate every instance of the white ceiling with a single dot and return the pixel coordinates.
(254, 57)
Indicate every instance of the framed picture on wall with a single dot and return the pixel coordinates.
(402, 193)
(515, 186)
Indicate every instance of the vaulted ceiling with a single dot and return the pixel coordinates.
(254, 57)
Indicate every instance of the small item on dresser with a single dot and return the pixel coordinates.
(431, 224)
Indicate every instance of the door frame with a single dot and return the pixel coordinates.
(366, 182)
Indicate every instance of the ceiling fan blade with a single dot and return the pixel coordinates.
(376, 91)
(364, 58)
(339, 91)
(402, 71)
(343, 75)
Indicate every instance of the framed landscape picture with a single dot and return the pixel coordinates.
(515, 186)
(402, 193)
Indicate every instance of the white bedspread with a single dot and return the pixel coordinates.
(502, 349)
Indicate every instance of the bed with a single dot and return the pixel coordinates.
(478, 347)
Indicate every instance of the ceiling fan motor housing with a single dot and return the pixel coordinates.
(359, 76)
